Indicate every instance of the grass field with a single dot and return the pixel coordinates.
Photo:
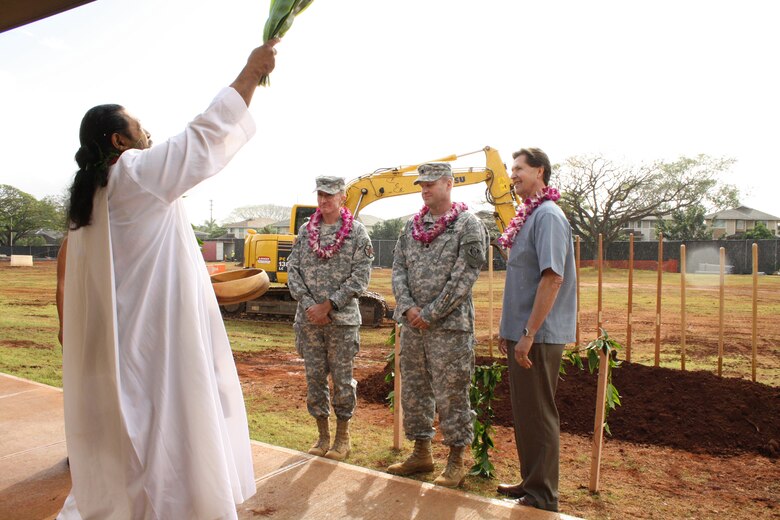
(29, 348)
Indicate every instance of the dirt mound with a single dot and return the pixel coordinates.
(693, 411)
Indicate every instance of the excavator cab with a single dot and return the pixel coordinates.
(270, 251)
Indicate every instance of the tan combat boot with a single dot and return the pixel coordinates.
(320, 448)
(420, 461)
(341, 445)
(455, 472)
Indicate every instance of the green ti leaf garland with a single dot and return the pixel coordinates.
(280, 18)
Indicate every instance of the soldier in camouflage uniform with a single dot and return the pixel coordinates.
(329, 266)
(436, 262)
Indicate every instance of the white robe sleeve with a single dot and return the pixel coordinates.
(208, 143)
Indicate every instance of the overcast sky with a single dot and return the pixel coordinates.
(366, 84)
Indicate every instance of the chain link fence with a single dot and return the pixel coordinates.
(40, 252)
(738, 253)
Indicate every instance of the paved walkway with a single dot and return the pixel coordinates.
(34, 478)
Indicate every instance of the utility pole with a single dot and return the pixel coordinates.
(211, 211)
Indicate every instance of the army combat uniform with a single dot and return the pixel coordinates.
(437, 363)
(330, 348)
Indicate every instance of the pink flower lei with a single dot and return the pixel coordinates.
(313, 227)
(523, 212)
(426, 237)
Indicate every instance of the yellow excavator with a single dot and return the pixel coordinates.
(270, 251)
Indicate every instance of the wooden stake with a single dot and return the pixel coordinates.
(598, 424)
(630, 295)
(658, 299)
(683, 322)
(755, 308)
(490, 299)
(398, 414)
(599, 264)
(720, 311)
(577, 263)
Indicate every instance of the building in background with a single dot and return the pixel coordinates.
(238, 229)
(221, 249)
(738, 220)
(644, 229)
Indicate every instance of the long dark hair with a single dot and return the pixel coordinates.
(94, 158)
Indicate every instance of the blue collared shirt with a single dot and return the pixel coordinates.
(544, 242)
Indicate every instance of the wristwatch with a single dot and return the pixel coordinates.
(527, 333)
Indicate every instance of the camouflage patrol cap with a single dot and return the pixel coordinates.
(330, 185)
(430, 172)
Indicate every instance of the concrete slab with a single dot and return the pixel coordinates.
(34, 477)
(314, 487)
(31, 418)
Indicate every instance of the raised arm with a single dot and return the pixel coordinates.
(260, 63)
(169, 169)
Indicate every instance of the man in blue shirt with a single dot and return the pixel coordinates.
(538, 318)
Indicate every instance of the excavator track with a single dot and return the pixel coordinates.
(278, 305)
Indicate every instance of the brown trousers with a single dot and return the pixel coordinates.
(537, 426)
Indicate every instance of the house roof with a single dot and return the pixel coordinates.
(50, 233)
(741, 213)
(250, 223)
(227, 237)
(280, 223)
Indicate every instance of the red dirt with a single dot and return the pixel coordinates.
(692, 411)
(23, 343)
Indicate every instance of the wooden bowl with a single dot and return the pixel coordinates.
(239, 286)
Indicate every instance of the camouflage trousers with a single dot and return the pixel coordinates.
(329, 349)
(436, 370)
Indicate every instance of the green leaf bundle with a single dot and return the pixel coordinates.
(280, 18)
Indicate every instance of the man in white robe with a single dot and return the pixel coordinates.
(155, 421)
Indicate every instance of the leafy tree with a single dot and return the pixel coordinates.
(212, 228)
(759, 232)
(600, 196)
(56, 207)
(387, 229)
(34, 240)
(687, 224)
(21, 215)
(259, 211)
(217, 232)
